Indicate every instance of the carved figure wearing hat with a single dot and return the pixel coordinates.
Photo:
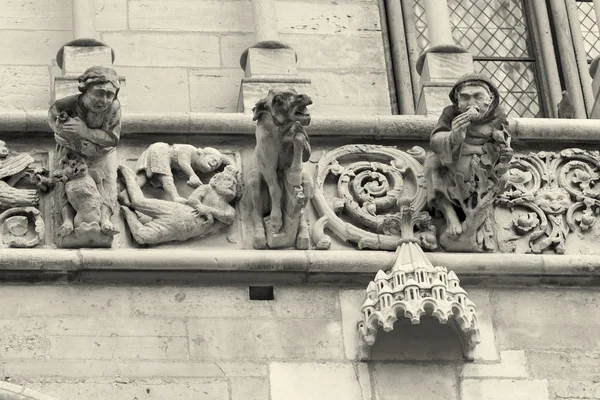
(470, 150)
(89, 125)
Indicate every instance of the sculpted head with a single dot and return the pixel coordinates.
(207, 160)
(99, 87)
(225, 184)
(71, 166)
(475, 91)
(3, 149)
(284, 107)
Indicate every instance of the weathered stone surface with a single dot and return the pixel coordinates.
(48, 301)
(574, 388)
(201, 389)
(115, 327)
(111, 15)
(555, 365)
(233, 302)
(181, 15)
(23, 338)
(351, 302)
(24, 87)
(360, 52)
(41, 46)
(36, 15)
(432, 100)
(249, 389)
(76, 59)
(180, 369)
(487, 349)
(232, 46)
(156, 89)
(500, 389)
(298, 17)
(513, 364)
(315, 381)
(215, 90)
(271, 62)
(555, 319)
(412, 381)
(60, 368)
(146, 49)
(444, 67)
(265, 339)
(115, 347)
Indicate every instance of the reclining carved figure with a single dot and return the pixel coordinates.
(166, 221)
(282, 146)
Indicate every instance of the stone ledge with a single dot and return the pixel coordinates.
(393, 127)
(283, 266)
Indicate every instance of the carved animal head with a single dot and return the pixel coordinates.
(284, 108)
(3, 149)
(553, 200)
(71, 166)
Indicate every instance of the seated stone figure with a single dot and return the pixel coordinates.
(158, 162)
(83, 198)
(174, 221)
(466, 169)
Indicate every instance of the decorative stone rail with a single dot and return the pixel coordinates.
(392, 127)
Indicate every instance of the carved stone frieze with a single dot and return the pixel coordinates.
(355, 196)
(550, 195)
(278, 186)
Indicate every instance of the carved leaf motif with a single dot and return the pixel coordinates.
(525, 222)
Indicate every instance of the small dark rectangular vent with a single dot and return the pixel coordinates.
(261, 292)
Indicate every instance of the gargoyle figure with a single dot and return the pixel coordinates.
(89, 125)
(85, 209)
(466, 169)
(158, 162)
(174, 221)
(281, 147)
(12, 167)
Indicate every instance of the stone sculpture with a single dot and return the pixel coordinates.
(466, 169)
(158, 162)
(89, 125)
(207, 210)
(282, 146)
(359, 204)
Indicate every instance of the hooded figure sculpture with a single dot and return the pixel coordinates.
(470, 150)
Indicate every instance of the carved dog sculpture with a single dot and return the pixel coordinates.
(85, 202)
(281, 147)
(174, 221)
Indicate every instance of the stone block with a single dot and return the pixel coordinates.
(502, 389)
(115, 327)
(179, 369)
(111, 15)
(183, 15)
(232, 47)
(446, 67)
(555, 365)
(574, 388)
(109, 348)
(243, 339)
(51, 15)
(487, 349)
(315, 381)
(433, 99)
(152, 49)
(249, 389)
(40, 48)
(215, 90)
(200, 389)
(555, 319)
(53, 300)
(64, 369)
(414, 381)
(24, 88)
(23, 338)
(328, 18)
(77, 59)
(351, 302)
(252, 92)
(156, 89)
(513, 364)
(271, 62)
(359, 52)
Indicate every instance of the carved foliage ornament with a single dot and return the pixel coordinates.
(552, 194)
(367, 181)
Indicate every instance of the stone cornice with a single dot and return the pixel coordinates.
(283, 266)
(392, 127)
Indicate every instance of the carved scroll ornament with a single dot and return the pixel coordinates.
(368, 179)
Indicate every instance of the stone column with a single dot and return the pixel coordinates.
(82, 52)
(442, 63)
(268, 64)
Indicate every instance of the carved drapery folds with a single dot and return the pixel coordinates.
(356, 193)
(551, 195)
(414, 288)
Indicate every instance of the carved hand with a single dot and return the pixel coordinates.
(194, 181)
(459, 128)
(75, 127)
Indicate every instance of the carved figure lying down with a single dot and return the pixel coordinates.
(166, 221)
